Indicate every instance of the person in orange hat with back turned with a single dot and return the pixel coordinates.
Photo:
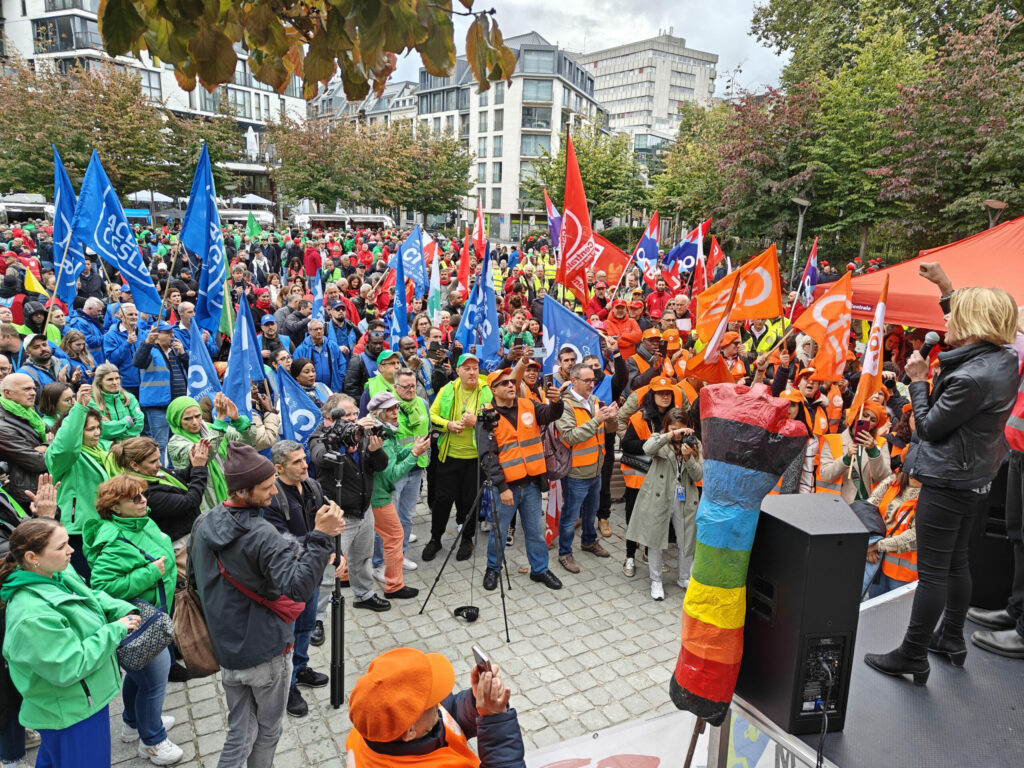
(404, 712)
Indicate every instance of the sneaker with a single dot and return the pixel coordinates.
(164, 753)
(297, 706)
(684, 583)
(657, 590)
(510, 539)
(604, 528)
(310, 678)
(127, 734)
(317, 636)
(430, 551)
(629, 567)
(485, 525)
(378, 574)
(33, 739)
(408, 564)
(413, 538)
(465, 550)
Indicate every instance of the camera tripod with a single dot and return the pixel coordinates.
(471, 612)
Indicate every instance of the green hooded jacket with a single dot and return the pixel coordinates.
(400, 463)
(60, 645)
(77, 469)
(124, 417)
(119, 568)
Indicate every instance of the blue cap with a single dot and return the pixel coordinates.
(126, 287)
(267, 320)
(164, 327)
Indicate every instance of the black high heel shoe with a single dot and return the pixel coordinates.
(896, 664)
(955, 651)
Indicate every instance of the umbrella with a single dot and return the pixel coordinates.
(149, 196)
(251, 199)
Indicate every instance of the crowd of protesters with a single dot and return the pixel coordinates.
(117, 483)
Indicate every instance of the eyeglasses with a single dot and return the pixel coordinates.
(585, 381)
(405, 386)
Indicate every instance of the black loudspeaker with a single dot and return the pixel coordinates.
(803, 598)
(990, 551)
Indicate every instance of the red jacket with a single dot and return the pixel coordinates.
(595, 307)
(656, 303)
(312, 262)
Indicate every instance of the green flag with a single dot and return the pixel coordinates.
(227, 312)
(253, 228)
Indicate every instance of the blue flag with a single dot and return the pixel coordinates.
(201, 233)
(479, 324)
(563, 328)
(69, 259)
(413, 261)
(318, 298)
(299, 414)
(245, 364)
(202, 376)
(100, 224)
(399, 313)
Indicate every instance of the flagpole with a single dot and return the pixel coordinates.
(60, 273)
(629, 261)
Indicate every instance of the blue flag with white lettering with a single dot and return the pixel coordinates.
(399, 312)
(201, 234)
(563, 328)
(299, 414)
(100, 224)
(202, 376)
(479, 324)
(69, 258)
(318, 298)
(414, 263)
(245, 363)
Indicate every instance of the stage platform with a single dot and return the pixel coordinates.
(964, 718)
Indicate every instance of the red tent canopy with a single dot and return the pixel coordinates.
(992, 258)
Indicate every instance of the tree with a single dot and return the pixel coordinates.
(690, 183)
(308, 39)
(612, 176)
(317, 160)
(435, 169)
(958, 136)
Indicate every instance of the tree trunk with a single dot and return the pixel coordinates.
(864, 241)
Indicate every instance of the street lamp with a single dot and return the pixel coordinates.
(802, 206)
(995, 209)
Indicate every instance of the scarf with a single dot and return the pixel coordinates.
(162, 478)
(29, 415)
(175, 411)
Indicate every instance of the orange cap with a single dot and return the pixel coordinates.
(661, 384)
(652, 333)
(793, 395)
(398, 687)
(673, 338)
(498, 374)
(729, 338)
(804, 372)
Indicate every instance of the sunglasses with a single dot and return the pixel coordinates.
(503, 382)
(138, 498)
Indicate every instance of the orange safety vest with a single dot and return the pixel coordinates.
(901, 566)
(834, 409)
(835, 444)
(634, 478)
(454, 754)
(641, 364)
(520, 452)
(737, 368)
(587, 453)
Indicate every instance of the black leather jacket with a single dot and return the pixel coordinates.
(959, 426)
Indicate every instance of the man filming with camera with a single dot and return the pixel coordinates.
(512, 458)
(346, 458)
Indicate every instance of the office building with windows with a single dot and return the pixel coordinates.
(65, 32)
(643, 84)
(397, 104)
(509, 126)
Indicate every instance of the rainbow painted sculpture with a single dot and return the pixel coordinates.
(748, 442)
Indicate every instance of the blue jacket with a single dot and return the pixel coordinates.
(330, 364)
(40, 376)
(158, 370)
(118, 351)
(186, 340)
(93, 331)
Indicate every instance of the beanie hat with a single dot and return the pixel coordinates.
(245, 467)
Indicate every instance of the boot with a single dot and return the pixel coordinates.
(897, 664)
(954, 649)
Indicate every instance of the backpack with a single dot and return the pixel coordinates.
(557, 455)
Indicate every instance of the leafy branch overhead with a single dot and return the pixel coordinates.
(308, 39)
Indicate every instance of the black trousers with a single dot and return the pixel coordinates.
(1015, 532)
(432, 470)
(604, 503)
(456, 482)
(630, 495)
(944, 520)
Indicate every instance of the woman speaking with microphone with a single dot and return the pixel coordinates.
(958, 452)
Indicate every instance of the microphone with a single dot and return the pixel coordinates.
(930, 340)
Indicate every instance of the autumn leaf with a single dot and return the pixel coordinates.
(214, 56)
(120, 25)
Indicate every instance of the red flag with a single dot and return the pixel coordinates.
(700, 277)
(553, 511)
(871, 369)
(708, 364)
(827, 321)
(715, 257)
(576, 245)
(479, 233)
(386, 283)
(610, 259)
(464, 267)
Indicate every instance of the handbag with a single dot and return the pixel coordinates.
(283, 607)
(191, 634)
(641, 463)
(153, 634)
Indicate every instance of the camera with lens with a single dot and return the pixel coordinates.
(342, 433)
(488, 419)
(691, 441)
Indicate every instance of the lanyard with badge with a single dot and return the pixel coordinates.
(680, 488)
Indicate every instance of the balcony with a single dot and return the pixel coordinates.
(90, 6)
(61, 34)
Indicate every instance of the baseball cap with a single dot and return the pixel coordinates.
(793, 395)
(729, 338)
(466, 356)
(600, 285)
(804, 372)
(652, 333)
(164, 327)
(661, 384)
(495, 376)
(386, 354)
(637, 304)
(533, 363)
(618, 303)
(337, 304)
(126, 288)
(673, 338)
(268, 320)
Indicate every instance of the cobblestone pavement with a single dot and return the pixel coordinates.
(597, 653)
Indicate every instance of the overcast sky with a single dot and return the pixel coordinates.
(721, 27)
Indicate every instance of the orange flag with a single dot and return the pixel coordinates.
(708, 364)
(827, 321)
(871, 369)
(480, 232)
(759, 294)
(576, 245)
